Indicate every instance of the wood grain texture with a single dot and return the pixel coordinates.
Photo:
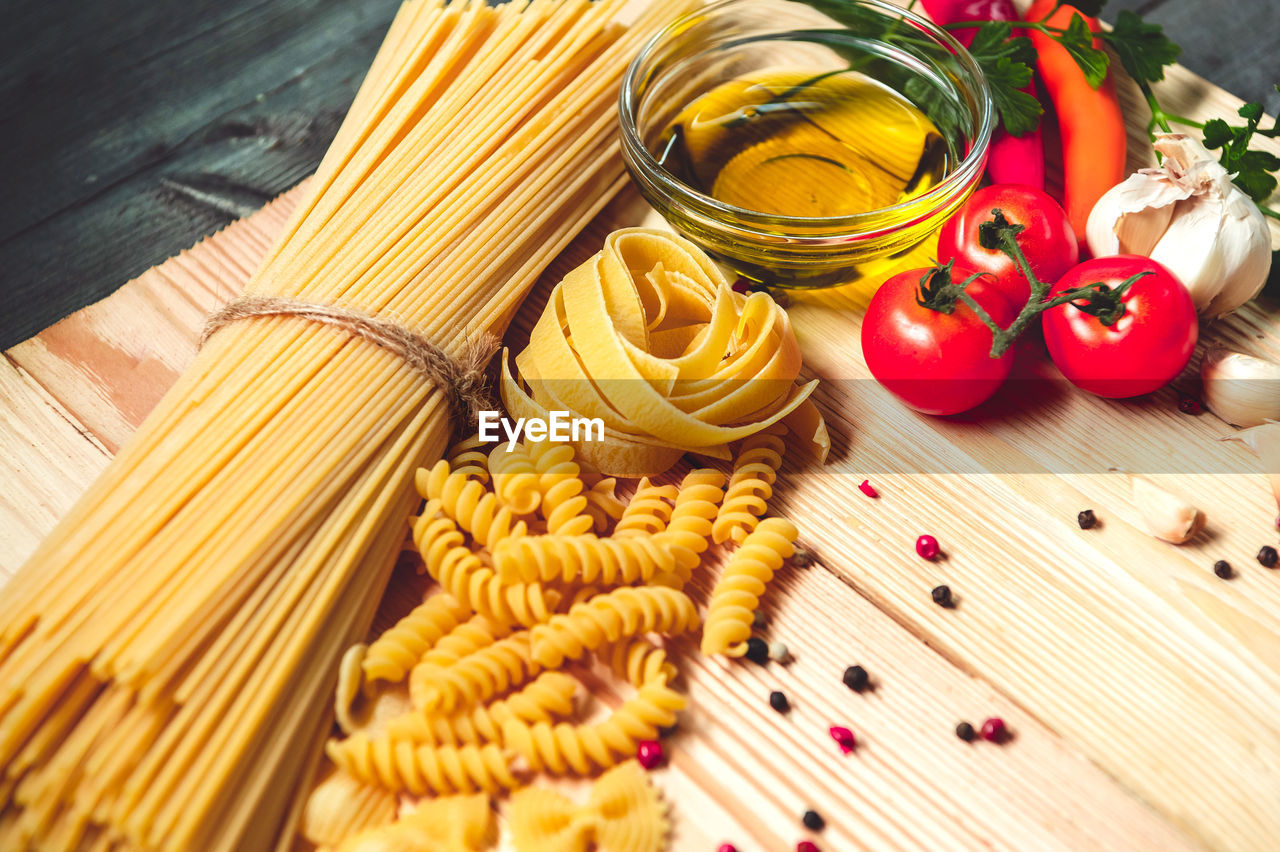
(739, 772)
(134, 128)
(1140, 688)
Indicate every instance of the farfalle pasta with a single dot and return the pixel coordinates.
(623, 814)
(648, 337)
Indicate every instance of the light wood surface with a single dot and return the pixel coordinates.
(1142, 690)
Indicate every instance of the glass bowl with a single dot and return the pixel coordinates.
(726, 40)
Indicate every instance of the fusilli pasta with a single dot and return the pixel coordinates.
(515, 479)
(549, 696)
(392, 654)
(755, 470)
(469, 503)
(476, 677)
(691, 522)
(610, 617)
(470, 458)
(641, 662)
(649, 510)
(737, 593)
(565, 747)
(583, 558)
(423, 769)
(564, 506)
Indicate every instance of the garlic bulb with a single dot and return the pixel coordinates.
(1189, 216)
(1241, 389)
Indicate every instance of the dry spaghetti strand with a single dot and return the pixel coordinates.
(166, 655)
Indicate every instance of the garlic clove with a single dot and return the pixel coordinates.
(1246, 246)
(1194, 249)
(1241, 389)
(1166, 516)
(1132, 216)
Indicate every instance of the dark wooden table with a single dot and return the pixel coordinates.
(132, 128)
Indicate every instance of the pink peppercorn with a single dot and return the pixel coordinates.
(727, 847)
(867, 489)
(742, 285)
(994, 730)
(806, 846)
(843, 737)
(927, 547)
(649, 753)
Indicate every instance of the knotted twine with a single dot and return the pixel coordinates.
(462, 379)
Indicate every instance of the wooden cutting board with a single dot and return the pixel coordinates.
(1142, 691)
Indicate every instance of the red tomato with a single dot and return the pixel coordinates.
(1143, 350)
(934, 362)
(1048, 242)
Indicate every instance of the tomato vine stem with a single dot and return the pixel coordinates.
(939, 292)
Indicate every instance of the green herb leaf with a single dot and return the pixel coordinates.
(1143, 49)
(1258, 185)
(1078, 40)
(992, 40)
(1251, 111)
(1006, 62)
(1217, 133)
(1019, 112)
(1088, 7)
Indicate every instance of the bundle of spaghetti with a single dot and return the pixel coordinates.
(166, 653)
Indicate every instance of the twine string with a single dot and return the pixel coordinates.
(462, 379)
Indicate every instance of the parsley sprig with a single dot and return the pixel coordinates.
(1144, 51)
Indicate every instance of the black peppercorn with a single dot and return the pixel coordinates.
(667, 731)
(803, 557)
(1223, 569)
(757, 651)
(855, 677)
(1268, 556)
(966, 732)
(778, 701)
(1087, 519)
(942, 596)
(813, 821)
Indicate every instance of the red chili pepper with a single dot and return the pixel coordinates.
(1089, 120)
(1010, 159)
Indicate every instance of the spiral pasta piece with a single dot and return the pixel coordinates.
(515, 479)
(548, 697)
(423, 769)
(341, 805)
(564, 747)
(692, 520)
(564, 506)
(737, 593)
(641, 662)
(476, 677)
(473, 634)
(584, 558)
(398, 649)
(461, 823)
(648, 511)
(467, 502)
(609, 617)
(470, 458)
(476, 586)
(603, 504)
(755, 471)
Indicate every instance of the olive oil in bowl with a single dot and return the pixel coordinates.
(805, 144)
